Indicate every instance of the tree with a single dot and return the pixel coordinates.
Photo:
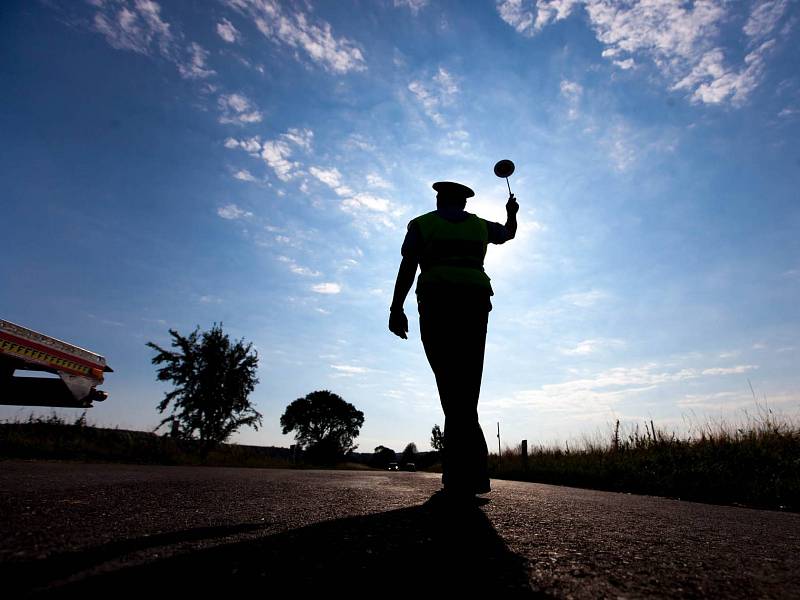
(437, 438)
(213, 378)
(324, 424)
(382, 457)
(409, 454)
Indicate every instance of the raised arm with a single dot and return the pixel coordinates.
(511, 215)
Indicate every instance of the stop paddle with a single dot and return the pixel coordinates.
(504, 168)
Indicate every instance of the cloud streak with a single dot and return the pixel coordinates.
(237, 109)
(593, 346)
(228, 32)
(195, 67)
(434, 94)
(680, 39)
(294, 29)
(363, 205)
(298, 269)
(232, 212)
(326, 288)
(600, 392)
(277, 153)
(137, 26)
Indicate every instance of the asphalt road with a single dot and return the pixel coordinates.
(124, 530)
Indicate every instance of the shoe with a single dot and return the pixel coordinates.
(483, 489)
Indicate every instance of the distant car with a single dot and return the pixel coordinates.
(409, 467)
(394, 467)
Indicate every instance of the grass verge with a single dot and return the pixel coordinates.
(757, 464)
(56, 439)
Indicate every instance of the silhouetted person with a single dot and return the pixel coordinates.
(453, 298)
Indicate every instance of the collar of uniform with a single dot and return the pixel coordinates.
(454, 215)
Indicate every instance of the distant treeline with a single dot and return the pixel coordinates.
(54, 438)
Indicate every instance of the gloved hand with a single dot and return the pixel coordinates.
(398, 323)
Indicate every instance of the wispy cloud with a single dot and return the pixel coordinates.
(712, 82)
(326, 288)
(363, 204)
(278, 152)
(529, 17)
(233, 212)
(251, 145)
(434, 94)
(600, 392)
(291, 27)
(715, 400)
(237, 109)
(572, 92)
(298, 269)
(765, 18)
(299, 137)
(364, 200)
(137, 26)
(729, 370)
(228, 32)
(568, 306)
(681, 39)
(244, 175)
(356, 141)
(584, 299)
(413, 5)
(620, 147)
(593, 346)
(330, 177)
(350, 369)
(455, 143)
(195, 67)
(376, 181)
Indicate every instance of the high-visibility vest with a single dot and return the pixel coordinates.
(452, 253)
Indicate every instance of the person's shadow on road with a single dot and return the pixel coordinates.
(433, 548)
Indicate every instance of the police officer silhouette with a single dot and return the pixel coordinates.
(453, 298)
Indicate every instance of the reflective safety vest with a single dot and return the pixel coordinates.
(452, 253)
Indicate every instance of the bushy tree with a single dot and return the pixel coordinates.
(409, 454)
(213, 378)
(437, 438)
(324, 424)
(382, 457)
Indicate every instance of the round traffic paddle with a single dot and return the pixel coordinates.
(504, 168)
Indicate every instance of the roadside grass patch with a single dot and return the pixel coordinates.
(54, 438)
(756, 464)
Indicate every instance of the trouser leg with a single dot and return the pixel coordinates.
(454, 342)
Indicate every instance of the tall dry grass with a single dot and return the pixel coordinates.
(755, 464)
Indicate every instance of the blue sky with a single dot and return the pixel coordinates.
(255, 163)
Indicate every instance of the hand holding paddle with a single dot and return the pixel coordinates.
(504, 168)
